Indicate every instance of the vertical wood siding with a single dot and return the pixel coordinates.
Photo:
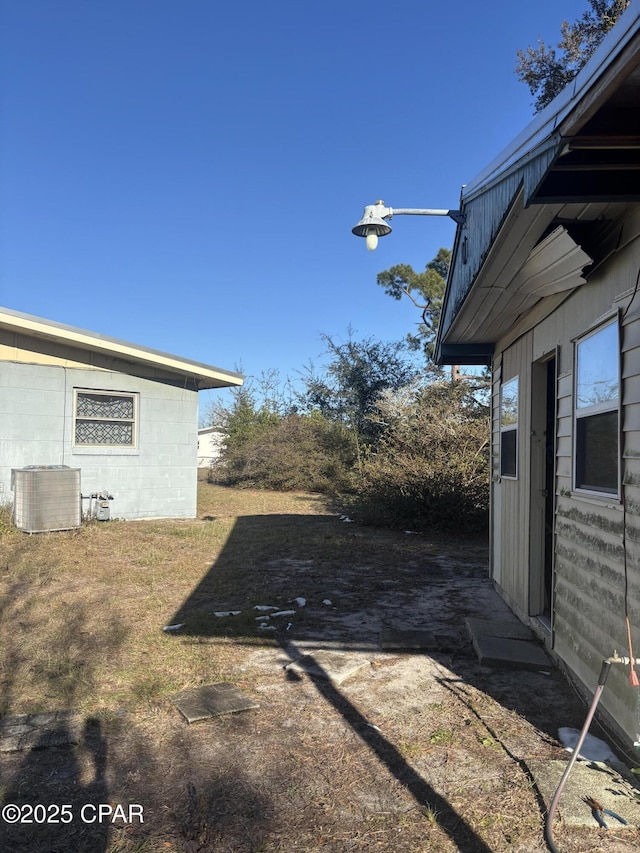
(590, 580)
(515, 496)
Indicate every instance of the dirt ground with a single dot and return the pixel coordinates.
(415, 752)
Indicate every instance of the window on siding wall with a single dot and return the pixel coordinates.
(105, 419)
(596, 411)
(509, 429)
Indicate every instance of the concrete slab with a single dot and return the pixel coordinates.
(39, 731)
(587, 779)
(516, 654)
(212, 700)
(506, 642)
(408, 641)
(330, 665)
(508, 628)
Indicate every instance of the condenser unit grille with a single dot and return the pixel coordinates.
(46, 498)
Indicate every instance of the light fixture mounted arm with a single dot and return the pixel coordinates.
(374, 222)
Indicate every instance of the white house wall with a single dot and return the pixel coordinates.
(209, 446)
(589, 580)
(157, 479)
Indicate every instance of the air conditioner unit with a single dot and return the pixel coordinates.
(46, 498)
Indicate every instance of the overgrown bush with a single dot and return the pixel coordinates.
(6, 518)
(306, 452)
(431, 467)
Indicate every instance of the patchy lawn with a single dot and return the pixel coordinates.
(415, 753)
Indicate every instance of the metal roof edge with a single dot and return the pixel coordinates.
(548, 119)
(74, 336)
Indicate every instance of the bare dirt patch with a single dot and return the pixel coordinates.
(417, 752)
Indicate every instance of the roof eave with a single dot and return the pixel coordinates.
(203, 376)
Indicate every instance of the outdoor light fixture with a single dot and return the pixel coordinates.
(374, 220)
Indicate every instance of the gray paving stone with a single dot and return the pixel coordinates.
(330, 665)
(43, 719)
(212, 700)
(503, 651)
(39, 731)
(20, 729)
(10, 744)
(14, 720)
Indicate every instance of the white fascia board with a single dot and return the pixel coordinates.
(93, 341)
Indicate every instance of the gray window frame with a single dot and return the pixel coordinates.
(584, 412)
(509, 428)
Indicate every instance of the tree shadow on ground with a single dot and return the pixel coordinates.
(210, 785)
(55, 777)
(54, 811)
(56, 757)
(271, 560)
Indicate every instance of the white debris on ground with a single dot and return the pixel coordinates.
(593, 749)
(267, 611)
(327, 601)
(345, 518)
(173, 627)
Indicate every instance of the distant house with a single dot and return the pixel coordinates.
(123, 415)
(544, 287)
(209, 445)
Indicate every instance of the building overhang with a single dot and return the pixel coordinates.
(173, 368)
(474, 353)
(547, 211)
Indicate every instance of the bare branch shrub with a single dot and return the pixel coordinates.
(431, 467)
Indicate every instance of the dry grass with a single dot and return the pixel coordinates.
(418, 754)
(82, 611)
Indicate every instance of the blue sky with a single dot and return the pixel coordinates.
(185, 174)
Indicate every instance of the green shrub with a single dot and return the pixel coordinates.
(299, 452)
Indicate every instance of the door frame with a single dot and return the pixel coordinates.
(544, 395)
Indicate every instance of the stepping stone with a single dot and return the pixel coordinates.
(212, 700)
(408, 641)
(508, 643)
(516, 654)
(331, 666)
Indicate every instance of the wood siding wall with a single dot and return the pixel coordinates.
(514, 493)
(589, 572)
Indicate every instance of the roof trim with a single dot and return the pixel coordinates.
(548, 119)
(207, 375)
(481, 353)
(539, 173)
